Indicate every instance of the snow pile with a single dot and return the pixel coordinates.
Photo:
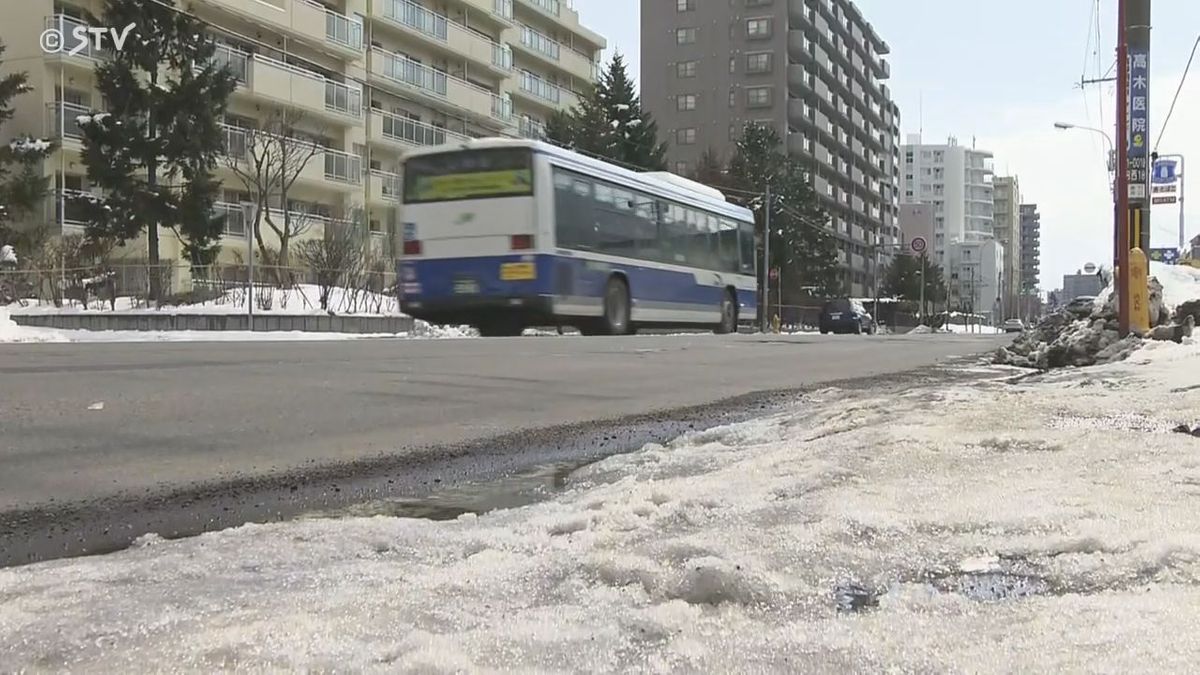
(7, 255)
(1066, 339)
(11, 332)
(29, 146)
(421, 329)
(1042, 527)
(300, 300)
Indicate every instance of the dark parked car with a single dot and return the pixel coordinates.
(846, 316)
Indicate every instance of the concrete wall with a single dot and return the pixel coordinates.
(156, 321)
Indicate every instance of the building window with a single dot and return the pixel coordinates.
(758, 97)
(732, 64)
(758, 63)
(685, 5)
(757, 29)
(685, 102)
(685, 36)
(685, 136)
(685, 69)
(682, 168)
(732, 97)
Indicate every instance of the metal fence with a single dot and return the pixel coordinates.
(366, 291)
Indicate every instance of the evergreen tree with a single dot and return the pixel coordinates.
(709, 170)
(802, 243)
(903, 280)
(609, 122)
(153, 152)
(22, 185)
(635, 133)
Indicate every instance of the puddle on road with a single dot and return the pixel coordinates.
(516, 490)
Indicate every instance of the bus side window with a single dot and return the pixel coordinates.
(573, 223)
(728, 238)
(749, 248)
(646, 213)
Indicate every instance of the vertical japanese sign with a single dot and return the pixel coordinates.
(1139, 123)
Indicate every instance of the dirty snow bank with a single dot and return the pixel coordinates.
(11, 332)
(301, 300)
(1047, 525)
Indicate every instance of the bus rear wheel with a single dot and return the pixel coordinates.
(729, 316)
(617, 309)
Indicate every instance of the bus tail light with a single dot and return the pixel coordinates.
(522, 242)
(412, 247)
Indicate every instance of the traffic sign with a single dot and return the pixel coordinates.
(918, 245)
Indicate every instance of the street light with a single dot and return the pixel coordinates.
(1112, 167)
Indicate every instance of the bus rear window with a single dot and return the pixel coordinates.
(470, 174)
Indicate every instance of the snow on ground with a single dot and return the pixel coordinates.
(11, 332)
(304, 299)
(1047, 525)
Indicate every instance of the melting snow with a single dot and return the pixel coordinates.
(956, 527)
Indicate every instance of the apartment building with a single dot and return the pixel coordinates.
(1031, 248)
(975, 270)
(363, 81)
(1006, 194)
(811, 69)
(958, 182)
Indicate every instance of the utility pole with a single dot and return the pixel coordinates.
(1123, 169)
(923, 288)
(766, 295)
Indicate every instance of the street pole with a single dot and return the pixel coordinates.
(766, 313)
(922, 312)
(1179, 175)
(249, 217)
(1123, 188)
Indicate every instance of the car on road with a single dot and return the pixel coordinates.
(1014, 326)
(1082, 306)
(846, 316)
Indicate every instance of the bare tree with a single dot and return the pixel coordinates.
(268, 162)
(336, 259)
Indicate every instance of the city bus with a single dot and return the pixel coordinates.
(505, 234)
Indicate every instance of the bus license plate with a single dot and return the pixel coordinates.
(518, 271)
(466, 286)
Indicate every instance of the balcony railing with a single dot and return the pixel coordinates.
(61, 119)
(391, 185)
(341, 29)
(66, 25)
(343, 167)
(344, 99)
(502, 108)
(502, 56)
(407, 71)
(503, 9)
(540, 88)
(531, 128)
(237, 61)
(416, 132)
(417, 17)
(551, 7)
(233, 218)
(540, 43)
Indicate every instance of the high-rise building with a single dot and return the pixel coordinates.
(1006, 195)
(958, 182)
(1031, 248)
(811, 69)
(367, 80)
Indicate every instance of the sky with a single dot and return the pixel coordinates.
(984, 71)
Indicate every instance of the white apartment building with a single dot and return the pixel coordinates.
(371, 79)
(957, 181)
(975, 272)
(1007, 225)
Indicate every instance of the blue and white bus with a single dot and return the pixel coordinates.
(505, 234)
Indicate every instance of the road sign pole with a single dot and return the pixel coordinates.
(921, 314)
(766, 295)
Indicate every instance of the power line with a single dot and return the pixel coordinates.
(1175, 100)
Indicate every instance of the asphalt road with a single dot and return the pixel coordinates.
(80, 422)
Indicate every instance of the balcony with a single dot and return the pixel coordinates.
(306, 20)
(61, 124)
(538, 91)
(449, 37)
(264, 77)
(498, 12)
(439, 89)
(549, 7)
(85, 59)
(549, 51)
(403, 133)
(533, 129)
(386, 187)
